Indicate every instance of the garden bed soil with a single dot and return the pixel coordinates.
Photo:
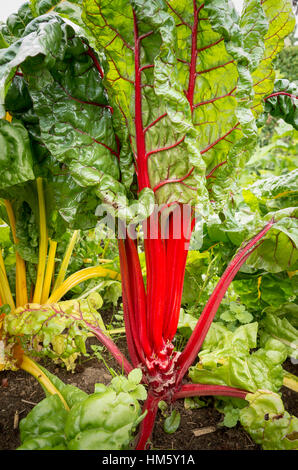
(19, 392)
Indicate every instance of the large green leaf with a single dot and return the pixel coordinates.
(281, 21)
(60, 97)
(74, 116)
(43, 42)
(144, 88)
(259, 291)
(16, 23)
(274, 187)
(225, 359)
(214, 69)
(61, 329)
(16, 162)
(282, 103)
(43, 428)
(278, 251)
(104, 420)
(281, 329)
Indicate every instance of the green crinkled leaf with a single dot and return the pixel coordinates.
(16, 23)
(221, 342)
(42, 43)
(74, 116)
(282, 330)
(282, 105)
(16, 163)
(232, 226)
(281, 22)
(258, 292)
(225, 359)
(70, 126)
(170, 138)
(278, 250)
(41, 7)
(58, 331)
(215, 60)
(267, 422)
(288, 310)
(274, 187)
(43, 427)
(104, 420)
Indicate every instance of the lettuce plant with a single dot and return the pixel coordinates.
(151, 103)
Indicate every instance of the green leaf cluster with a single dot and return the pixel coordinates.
(104, 420)
(225, 359)
(58, 331)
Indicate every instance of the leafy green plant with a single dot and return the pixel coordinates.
(104, 420)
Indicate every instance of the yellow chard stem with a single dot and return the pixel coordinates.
(32, 368)
(78, 277)
(21, 281)
(6, 295)
(290, 381)
(49, 271)
(66, 259)
(43, 244)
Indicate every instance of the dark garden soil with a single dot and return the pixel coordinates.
(19, 392)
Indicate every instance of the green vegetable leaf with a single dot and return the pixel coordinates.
(281, 22)
(16, 163)
(139, 44)
(43, 41)
(43, 428)
(274, 187)
(16, 23)
(278, 251)
(225, 359)
(104, 420)
(282, 103)
(266, 420)
(282, 330)
(58, 331)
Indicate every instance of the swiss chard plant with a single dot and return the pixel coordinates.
(150, 107)
(41, 203)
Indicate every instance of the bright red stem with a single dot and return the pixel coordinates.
(143, 177)
(156, 281)
(278, 93)
(135, 355)
(192, 390)
(139, 295)
(146, 426)
(194, 54)
(197, 338)
(177, 250)
(111, 346)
